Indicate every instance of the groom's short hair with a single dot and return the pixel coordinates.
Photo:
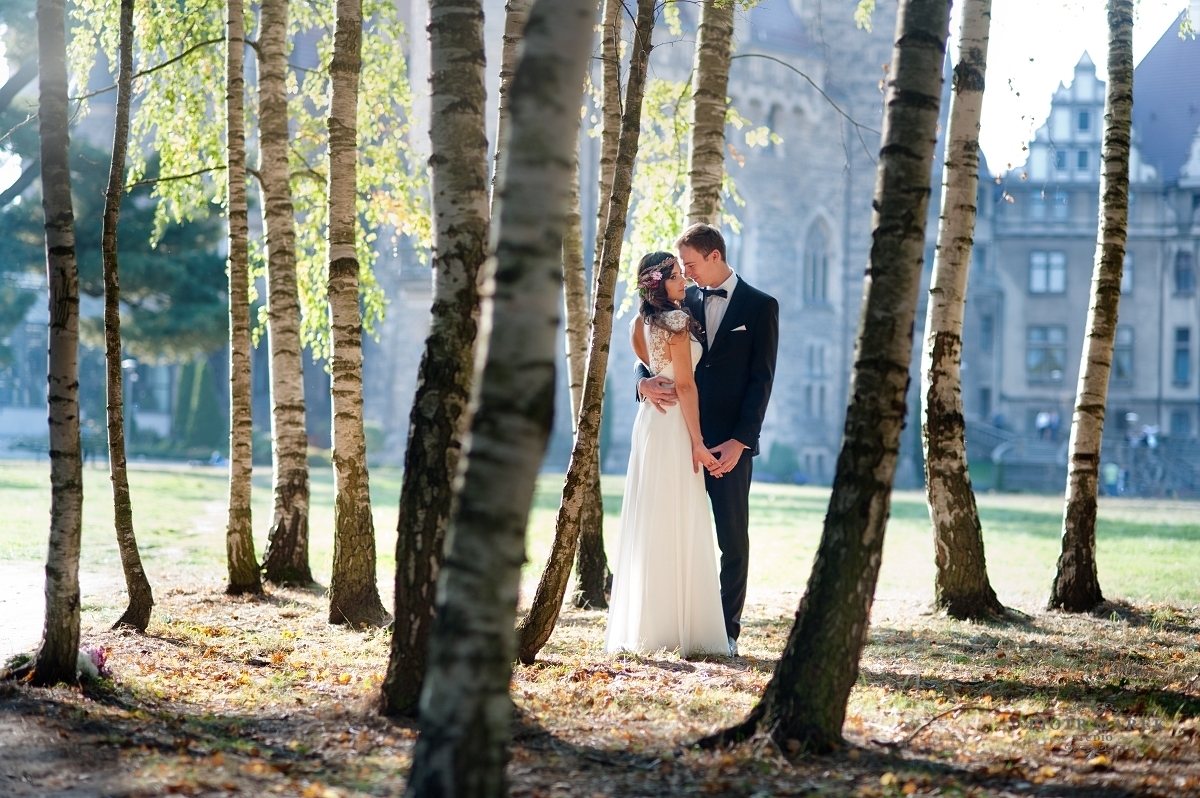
(704, 238)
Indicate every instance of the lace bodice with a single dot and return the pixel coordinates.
(658, 342)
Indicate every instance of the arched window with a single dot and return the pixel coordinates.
(816, 266)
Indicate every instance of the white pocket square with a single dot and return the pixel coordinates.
(739, 329)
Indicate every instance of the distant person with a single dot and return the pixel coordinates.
(1111, 474)
(1041, 424)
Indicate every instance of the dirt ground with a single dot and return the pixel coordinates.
(240, 697)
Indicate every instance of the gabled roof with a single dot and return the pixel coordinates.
(1166, 101)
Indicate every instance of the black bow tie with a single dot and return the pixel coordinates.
(721, 292)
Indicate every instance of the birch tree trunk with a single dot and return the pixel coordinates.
(575, 297)
(353, 595)
(1076, 584)
(141, 599)
(706, 151)
(440, 412)
(576, 329)
(536, 627)
(286, 558)
(516, 14)
(962, 588)
(465, 706)
(805, 702)
(55, 658)
(243, 568)
(591, 563)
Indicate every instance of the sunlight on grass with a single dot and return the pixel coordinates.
(1147, 548)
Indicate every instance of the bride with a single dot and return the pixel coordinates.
(666, 593)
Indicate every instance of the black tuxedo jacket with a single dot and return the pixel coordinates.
(735, 374)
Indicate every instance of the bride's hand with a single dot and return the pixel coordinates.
(701, 456)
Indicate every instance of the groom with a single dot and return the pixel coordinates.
(734, 376)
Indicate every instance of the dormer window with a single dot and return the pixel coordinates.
(1082, 159)
(1084, 122)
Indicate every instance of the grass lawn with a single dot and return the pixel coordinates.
(1147, 549)
(254, 697)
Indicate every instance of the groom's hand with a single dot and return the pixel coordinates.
(658, 391)
(728, 454)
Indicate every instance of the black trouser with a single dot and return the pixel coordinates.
(730, 497)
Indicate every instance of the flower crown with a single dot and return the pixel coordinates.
(651, 280)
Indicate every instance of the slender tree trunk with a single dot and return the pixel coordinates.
(465, 705)
(805, 702)
(610, 117)
(594, 580)
(516, 14)
(286, 558)
(353, 595)
(590, 562)
(141, 599)
(440, 412)
(1076, 584)
(55, 658)
(706, 153)
(536, 627)
(244, 574)
(575, 297)
(962, 586)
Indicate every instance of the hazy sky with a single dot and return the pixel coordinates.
(1034, 45)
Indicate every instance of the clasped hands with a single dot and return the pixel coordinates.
(717, 460)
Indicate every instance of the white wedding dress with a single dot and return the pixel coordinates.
(666, 593)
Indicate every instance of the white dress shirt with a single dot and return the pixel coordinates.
(715, 306)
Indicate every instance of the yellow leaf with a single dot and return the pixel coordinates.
(343, 678)
(909, 788)
(888, 779)
(1100, 761)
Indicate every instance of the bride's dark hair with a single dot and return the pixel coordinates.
(653, 272)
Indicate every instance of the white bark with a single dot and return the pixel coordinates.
(244, 576)
(706, 151)
(516, 13)
(465, 705)
(353, 594)
(286, 559)
(538, 624)
(575, 296)
(610, 116)
(1076, 584)
(805, 701)
(440, 413)
(962, 586)
(55, 658)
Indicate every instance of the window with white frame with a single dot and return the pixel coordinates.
(1047, 272)
(1045, 353)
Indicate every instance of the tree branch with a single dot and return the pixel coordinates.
(21, 183)
(152, 180)
(858, 128)
(17, 81)
(17, 127)
(155, 68)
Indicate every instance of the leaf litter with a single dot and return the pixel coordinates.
(236, 696)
